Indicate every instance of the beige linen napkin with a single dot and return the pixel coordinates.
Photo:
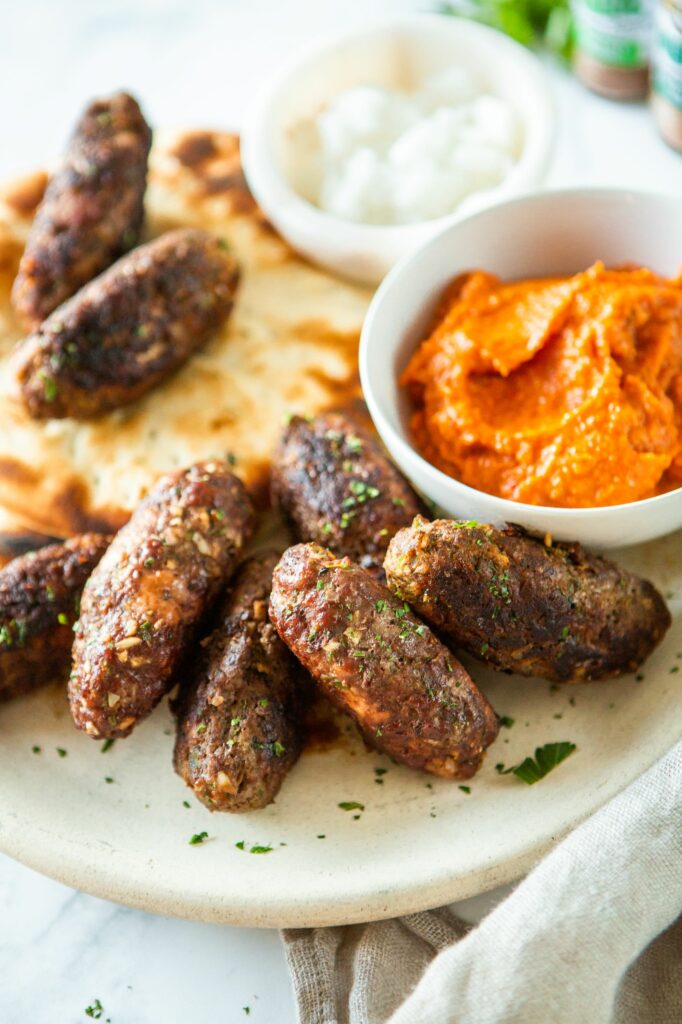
(587, 938)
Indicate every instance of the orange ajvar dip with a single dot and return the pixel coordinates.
(557, 391)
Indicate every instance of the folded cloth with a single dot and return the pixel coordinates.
(589, 937)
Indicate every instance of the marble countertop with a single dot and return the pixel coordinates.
(197, 64)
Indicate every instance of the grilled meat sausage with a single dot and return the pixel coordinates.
(39, 598)
(91, 212)
(333, 482)
(524, 606)
(142, 606)
(130, 328)
(375, 660)
(239, 721)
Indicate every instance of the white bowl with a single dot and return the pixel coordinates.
(396, 53)
(544, 234)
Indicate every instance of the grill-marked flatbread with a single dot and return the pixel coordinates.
(289, 346)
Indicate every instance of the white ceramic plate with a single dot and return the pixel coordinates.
(419, 842)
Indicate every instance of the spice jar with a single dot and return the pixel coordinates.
(666, 97)
(612, 42)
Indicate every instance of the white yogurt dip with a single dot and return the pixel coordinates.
(390, 157)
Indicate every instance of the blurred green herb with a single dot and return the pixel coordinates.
(529, 22)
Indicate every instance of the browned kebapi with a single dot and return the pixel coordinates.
(334, 483)
(239, 709)
(377, 661)
(142, 606)
(526, 605)
(91, 212)
(39, 600)
(130, 328)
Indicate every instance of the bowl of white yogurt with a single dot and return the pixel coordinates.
(366, 145)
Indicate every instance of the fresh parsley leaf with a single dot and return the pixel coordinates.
(95, 1010)
(531, 770)
(198, 838)
(351, 805)
(506, 721)
(107, 745)
(261, 849)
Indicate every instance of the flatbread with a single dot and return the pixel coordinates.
(289, 346)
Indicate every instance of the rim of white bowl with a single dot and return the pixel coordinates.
(269, 184)
(508, 508)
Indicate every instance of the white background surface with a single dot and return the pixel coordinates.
(196, 63)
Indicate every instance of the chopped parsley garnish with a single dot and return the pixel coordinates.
(15, 631)
(321, 837)
(380, 606)
(145, 631)
(278, 748)
(50, 388)
(506, 721)
(319, 585)
(362, 492)
(107, 745)
(546, 758)
(247, 1010)
(201, 728)
(37, 750)
(108, 778)
(465, 789)
(198, 838)
(148, 563)
(263, 702)
(63, 619)
(354, 443)
(95, 1010)
(400, 502)
(485, 647)
(49, 591)
(327, 527)
(469, 524)
(351, 805)
(61, 751)
(186, 803)
(564, 633)
(257, 847)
